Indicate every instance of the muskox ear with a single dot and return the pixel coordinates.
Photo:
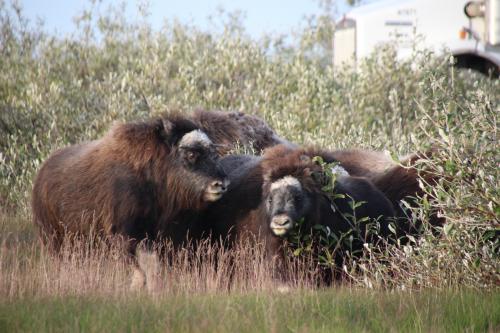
(175, 127)
(158, 129)
(166, 125)
(165, 129)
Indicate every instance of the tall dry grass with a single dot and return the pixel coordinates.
(29, 270)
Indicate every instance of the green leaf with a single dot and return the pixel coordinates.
(448, 228)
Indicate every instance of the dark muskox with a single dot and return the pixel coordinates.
(230, 129)
(137, 182)
(269, 195)
(397, 181)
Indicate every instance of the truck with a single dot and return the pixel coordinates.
(468, 30)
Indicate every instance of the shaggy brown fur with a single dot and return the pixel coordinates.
(397, 181)
(283, 161)
(228, 129)
(245, 213)
(136, 182)
(402, 182)
(362, 163)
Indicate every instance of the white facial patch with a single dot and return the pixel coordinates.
(286, 181)
(340, 171)
(195, 137)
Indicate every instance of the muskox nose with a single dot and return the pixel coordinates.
(216, 189)
(281, 224)
(220, 185)
(216, 184)
(282, 221)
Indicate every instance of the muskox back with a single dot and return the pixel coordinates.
(360, 162)
(229, 130)
(398, 181)
(139, 181)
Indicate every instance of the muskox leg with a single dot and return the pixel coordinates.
(133, 250)
(130, 247)
(146, 267)
(149, 266)
(138, 281)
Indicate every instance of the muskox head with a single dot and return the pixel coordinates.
(200, 161)
(289, 189)
(187, 164)
(292, 189)
(287, 201)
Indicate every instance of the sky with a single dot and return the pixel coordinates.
(260, 16)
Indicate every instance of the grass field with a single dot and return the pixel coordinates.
(55, 92)
(332, 310)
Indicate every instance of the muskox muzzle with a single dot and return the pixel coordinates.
(215, 190)
(281, 224)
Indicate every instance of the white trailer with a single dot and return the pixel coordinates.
(469, 30)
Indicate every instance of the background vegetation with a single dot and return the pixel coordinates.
(55, 92)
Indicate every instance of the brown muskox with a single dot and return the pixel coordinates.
(397, 181)
(228, 130)
(270, 196)
(139, 182)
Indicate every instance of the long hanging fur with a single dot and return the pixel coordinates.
(129, 183)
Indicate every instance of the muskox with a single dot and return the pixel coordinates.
(270, 195)
(398, 181)
(138, 182)
(231, 130)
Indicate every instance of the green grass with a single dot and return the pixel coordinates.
(334, 310)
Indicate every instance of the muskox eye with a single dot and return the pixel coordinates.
(269, 200)
(191, 156)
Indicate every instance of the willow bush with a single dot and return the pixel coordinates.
(56, 91)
